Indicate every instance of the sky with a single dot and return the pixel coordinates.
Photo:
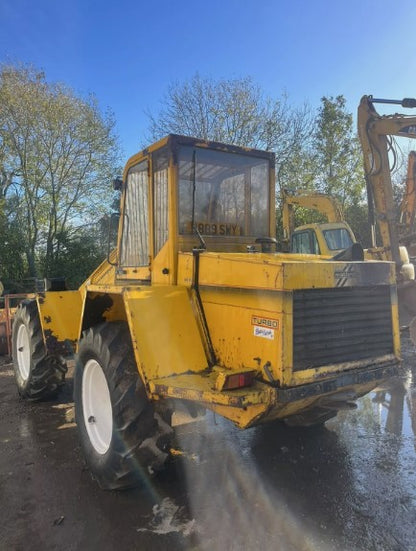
(128, 52)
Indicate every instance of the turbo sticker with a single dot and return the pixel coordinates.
(265, 322)
(264, 327)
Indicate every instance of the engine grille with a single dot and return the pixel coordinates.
(332, 326)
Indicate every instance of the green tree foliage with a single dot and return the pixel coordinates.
(337, 153)
(85, 246)
(12, 264)
(57, 155)
(357, 217)
(332, 164)
(339, 166)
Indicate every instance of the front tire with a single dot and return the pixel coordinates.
(39, 375)
(122, 437)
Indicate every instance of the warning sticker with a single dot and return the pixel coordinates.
(263, 332)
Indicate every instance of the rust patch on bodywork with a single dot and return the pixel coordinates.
(56, 347)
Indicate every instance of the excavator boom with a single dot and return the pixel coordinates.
(375, 133)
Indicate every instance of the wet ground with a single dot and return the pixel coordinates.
(348, 486)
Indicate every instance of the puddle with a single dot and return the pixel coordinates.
(169, 517)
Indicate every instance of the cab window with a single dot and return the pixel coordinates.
(160, 198)
(338, 238)
(135, 236)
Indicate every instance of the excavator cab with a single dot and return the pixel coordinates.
(325, 239)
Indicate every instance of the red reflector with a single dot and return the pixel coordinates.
(229, 380)
(238, 380)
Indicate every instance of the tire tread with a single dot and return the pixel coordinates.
(139, 437)
(47, 372)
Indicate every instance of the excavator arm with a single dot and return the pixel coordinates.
(375, 133)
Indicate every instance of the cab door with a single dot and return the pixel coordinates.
(134, 259)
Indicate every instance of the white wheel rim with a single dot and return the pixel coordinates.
(96, 406)
(23, 352)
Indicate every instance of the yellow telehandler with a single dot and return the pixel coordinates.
(196, 309)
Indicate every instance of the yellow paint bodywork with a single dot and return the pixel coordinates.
(234, 312)
(319, 228)
(168, 338)
(232, 303)
(165, 334)
(273, 409)
(60, 315)
(246, 406)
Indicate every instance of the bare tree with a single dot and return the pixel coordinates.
(235, 111)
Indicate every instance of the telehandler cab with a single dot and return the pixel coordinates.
(196, 308)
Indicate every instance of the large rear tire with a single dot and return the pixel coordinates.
(123, 439)
(39, 375)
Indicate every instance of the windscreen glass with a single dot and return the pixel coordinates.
(223, 194)
(338, 238)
